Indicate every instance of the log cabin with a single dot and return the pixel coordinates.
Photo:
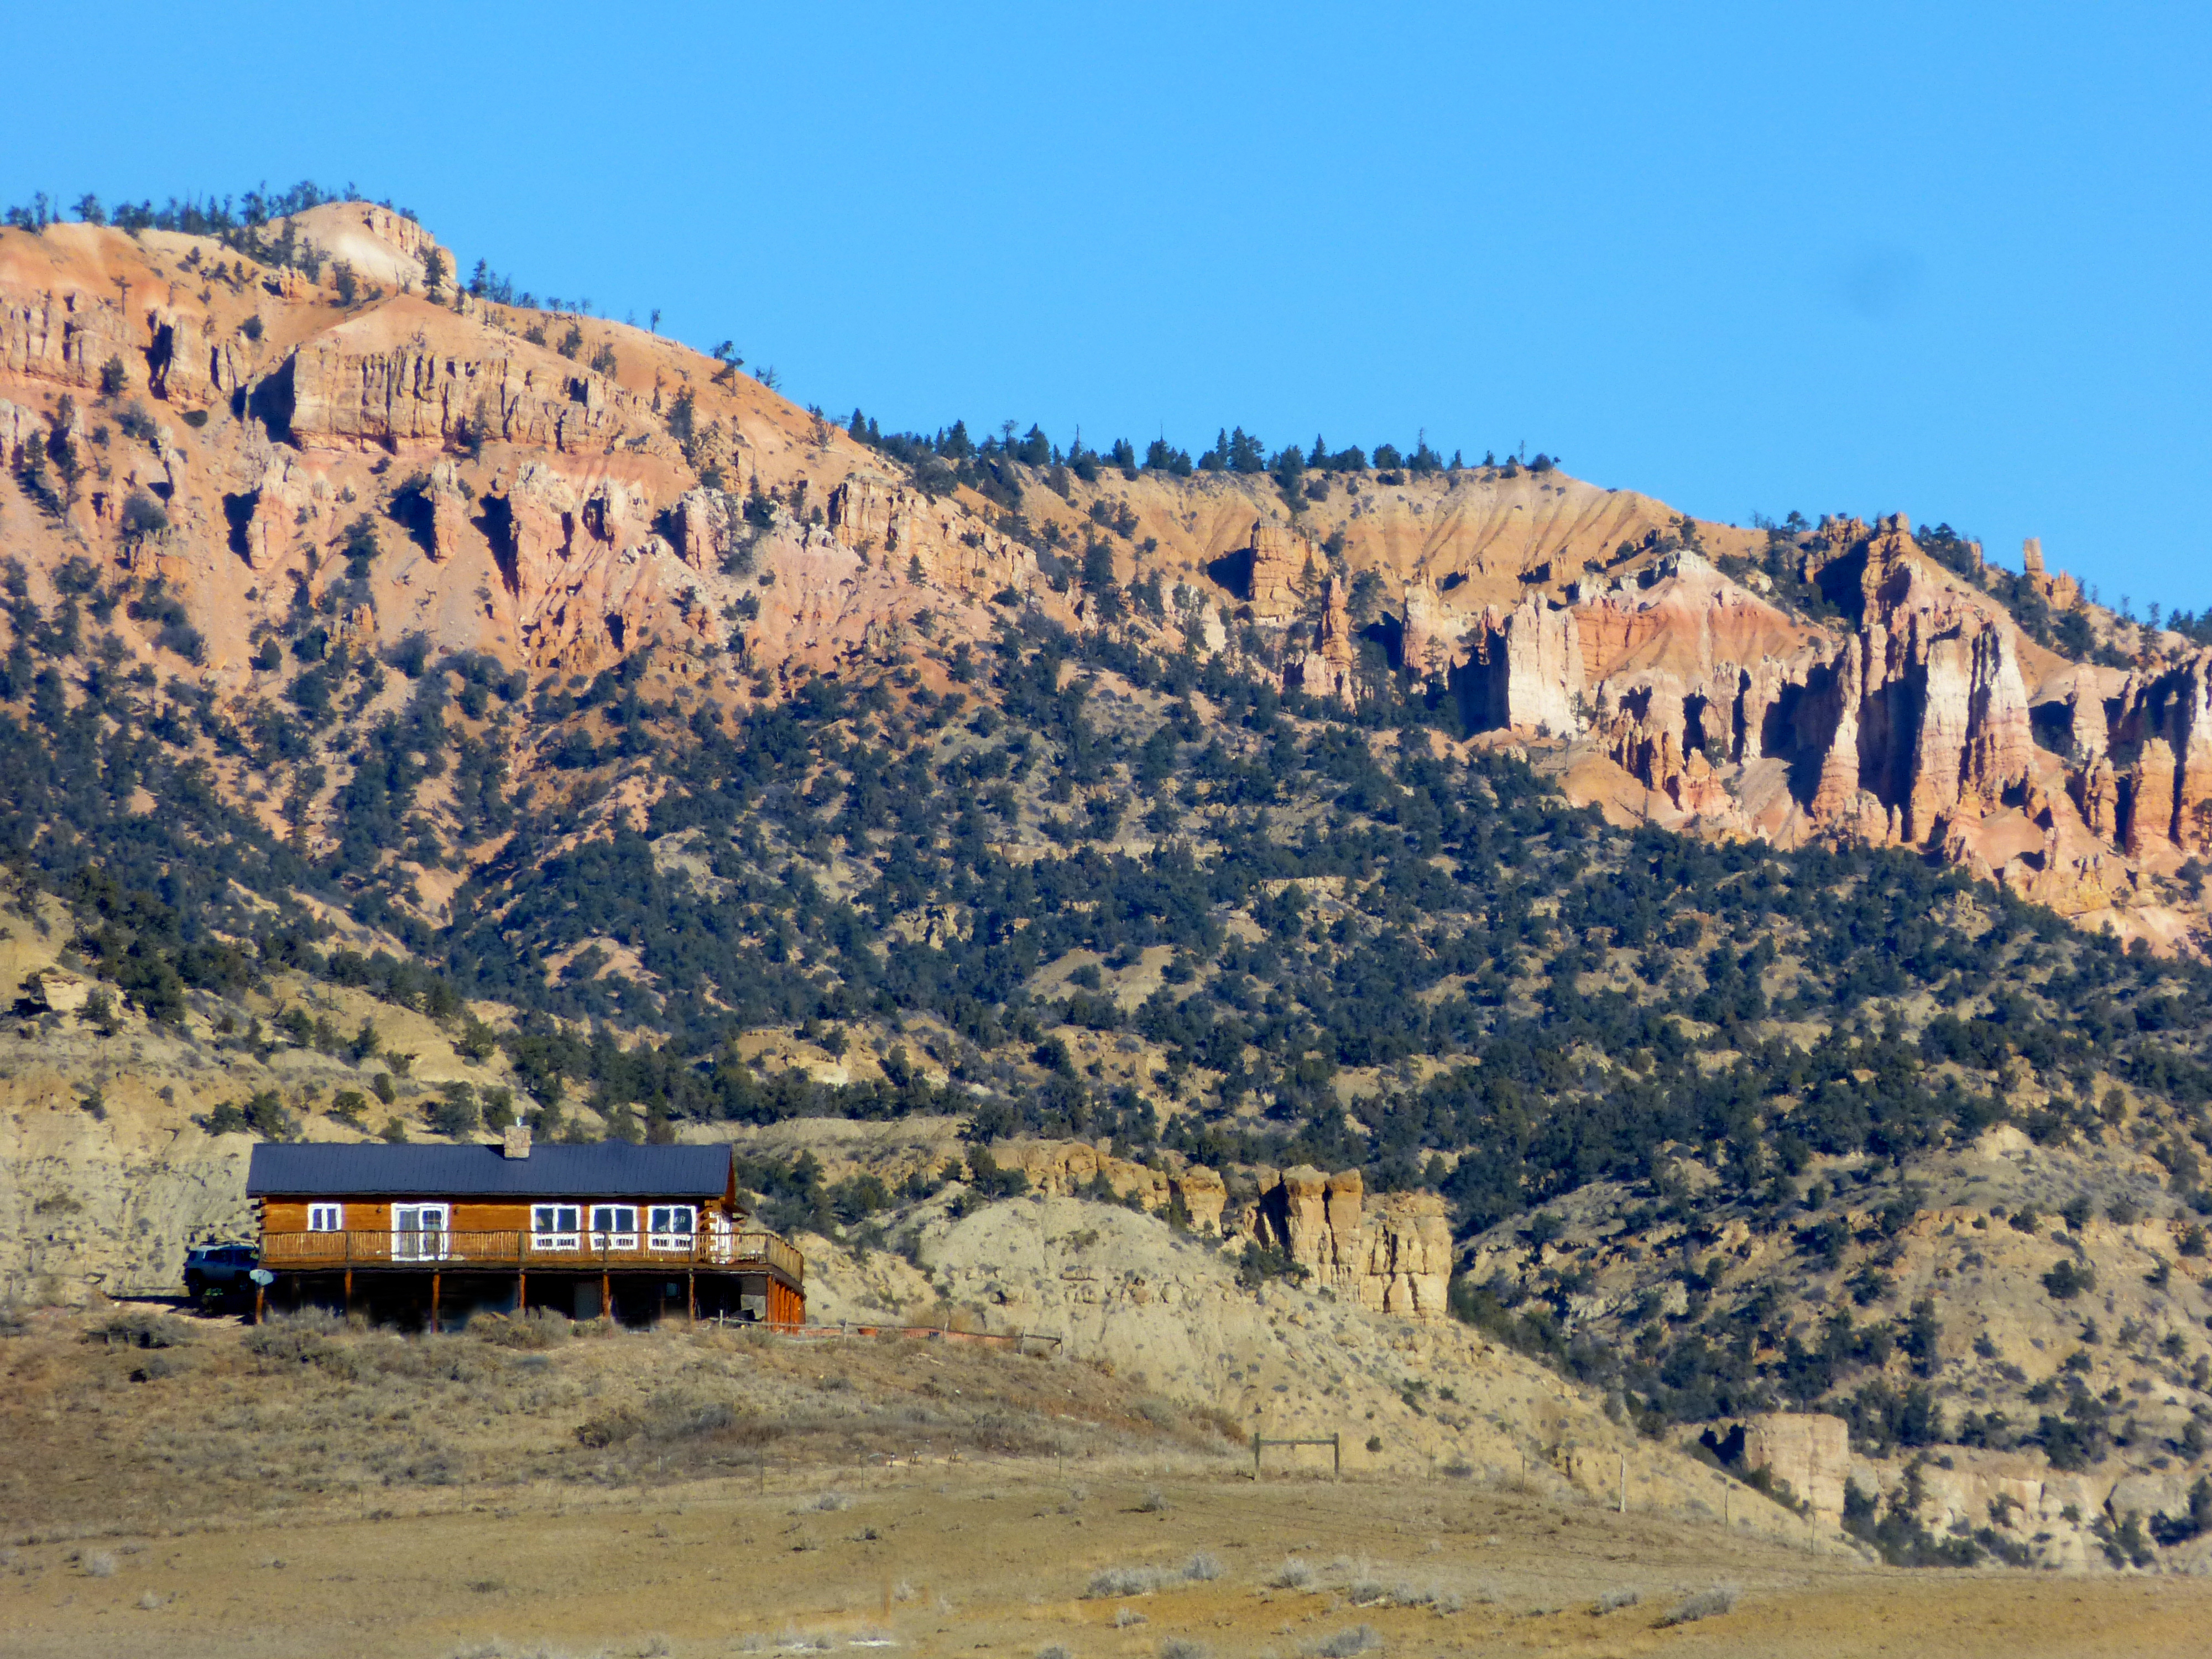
(631, 1233)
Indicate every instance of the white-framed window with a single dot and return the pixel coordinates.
(671, 1227)
(557, 1227)
(614, 1227)
(419, 1231)
(326, 1218)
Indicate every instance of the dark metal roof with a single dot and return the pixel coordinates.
(610, 1169)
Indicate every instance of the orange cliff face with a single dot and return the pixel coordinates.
(266, 418)
(560, 492)
(1932, 722)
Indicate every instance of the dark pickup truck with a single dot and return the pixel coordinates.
(219, 1272)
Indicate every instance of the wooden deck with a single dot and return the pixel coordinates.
(463, 1252)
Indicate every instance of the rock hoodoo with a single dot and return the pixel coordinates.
(1526, 671)
(1285, 571)
(1393, 1253)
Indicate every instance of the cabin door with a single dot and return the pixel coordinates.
(722, 1236)
(419, 1232)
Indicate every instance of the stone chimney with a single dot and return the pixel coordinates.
(516, 1143)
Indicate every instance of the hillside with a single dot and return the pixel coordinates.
(421, 709)
(525, 1491)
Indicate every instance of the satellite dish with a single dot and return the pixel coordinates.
(262, 1276)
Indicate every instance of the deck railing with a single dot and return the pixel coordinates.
(735, 1252)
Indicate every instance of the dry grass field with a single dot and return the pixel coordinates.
(143, 1417)
(308, 1489)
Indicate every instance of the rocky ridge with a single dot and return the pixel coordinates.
(567, 515)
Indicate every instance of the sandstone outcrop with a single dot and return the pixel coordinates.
(1391, 1254)
(383, 246)
(2097, 795)
(1973, 742)
(184, 365)
(1836, 796)
(351, 388)
(1284, 567)
(1325, 670)
(1917, 723)
(708, 526)
(1526, 669)
(1683, 670)
(903, 525)
(449, 511)
(2149, 799)
(18, 426)
(58, 991)
(1807, 1451)
(1666, 738)
(2085, 711)
(64, 336)
(1428, 645)
(1678, 615)
(2190, 719)
(1929, 709)
(1068, 1169)
(2056, 589)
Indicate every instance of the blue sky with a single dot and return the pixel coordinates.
(1947, 259)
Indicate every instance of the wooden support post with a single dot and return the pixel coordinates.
(691, 1294)
(435, 1276)
(1336, 1453)
(260, 1294)
(606, 1296)
(521, 1291)
(349, 1290)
